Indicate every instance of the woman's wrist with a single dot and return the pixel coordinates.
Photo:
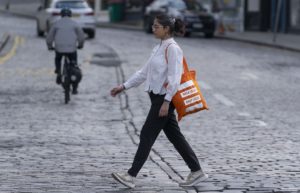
(166, 101)
(123, 87)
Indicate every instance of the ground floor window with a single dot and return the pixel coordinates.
(295, 14)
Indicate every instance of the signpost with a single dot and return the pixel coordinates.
(7, 4)
(97, 7)
(278, 11)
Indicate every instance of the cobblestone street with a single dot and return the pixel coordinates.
(247, 142)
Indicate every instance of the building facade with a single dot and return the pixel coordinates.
(236, 15)
(267, 15)
(294, 25)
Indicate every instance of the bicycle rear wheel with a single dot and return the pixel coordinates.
(66, 79)
(67, 89)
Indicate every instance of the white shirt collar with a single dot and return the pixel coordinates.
(167, 41)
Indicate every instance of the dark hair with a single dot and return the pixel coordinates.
(176, 25)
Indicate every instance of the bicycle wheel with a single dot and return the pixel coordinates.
(67, 89)
(66, 80)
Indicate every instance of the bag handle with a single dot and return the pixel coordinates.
(185, 66)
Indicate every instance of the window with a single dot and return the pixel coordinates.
(71, 4)
(178, 4)
(295, 14)
(157, 4)
(194, 5)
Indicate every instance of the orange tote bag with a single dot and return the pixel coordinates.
(188, 98)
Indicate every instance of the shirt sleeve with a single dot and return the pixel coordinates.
(174, 70)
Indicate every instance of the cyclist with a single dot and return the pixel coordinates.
(66, 35)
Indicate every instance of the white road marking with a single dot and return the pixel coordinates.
(244, 114)
(255, 122)
(87, 61)
(260, 123)
(224, 100)
(248, 76)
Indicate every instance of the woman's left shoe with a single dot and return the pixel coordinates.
(194, 178)
(124, 178)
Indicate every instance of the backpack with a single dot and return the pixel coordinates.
(76, 74)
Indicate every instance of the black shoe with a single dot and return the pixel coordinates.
(74, 92)
(74, 89)
(58, 79)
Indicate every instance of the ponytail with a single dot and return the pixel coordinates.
(176, 25)
(179, 27)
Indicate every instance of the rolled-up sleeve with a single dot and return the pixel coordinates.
(174, 70)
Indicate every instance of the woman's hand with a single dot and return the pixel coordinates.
(164, 109)
(117, 90)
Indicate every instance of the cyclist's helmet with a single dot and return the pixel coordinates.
(66, 12)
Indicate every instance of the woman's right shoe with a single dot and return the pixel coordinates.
(124, 178)
(194, 178)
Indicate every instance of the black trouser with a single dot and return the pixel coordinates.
(58, 56)
(73, 61)
(152, 127)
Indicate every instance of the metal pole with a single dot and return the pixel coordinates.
(242, 16)
(7, 5)
(278, 11)
(97, 7)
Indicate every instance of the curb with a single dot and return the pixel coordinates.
(18, 14)
(4, 41)
(137, 28)
(270, 45)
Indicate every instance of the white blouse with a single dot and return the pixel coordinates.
(159, 76)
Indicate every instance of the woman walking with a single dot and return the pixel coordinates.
(161, 79)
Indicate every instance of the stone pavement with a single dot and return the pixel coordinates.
(49, 154)
(51, 147)
(246, 167)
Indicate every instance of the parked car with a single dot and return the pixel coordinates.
(133, 3)
(49, 12)
(191, 12)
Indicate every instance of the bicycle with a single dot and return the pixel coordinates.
(66, 78)
(70, 74)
